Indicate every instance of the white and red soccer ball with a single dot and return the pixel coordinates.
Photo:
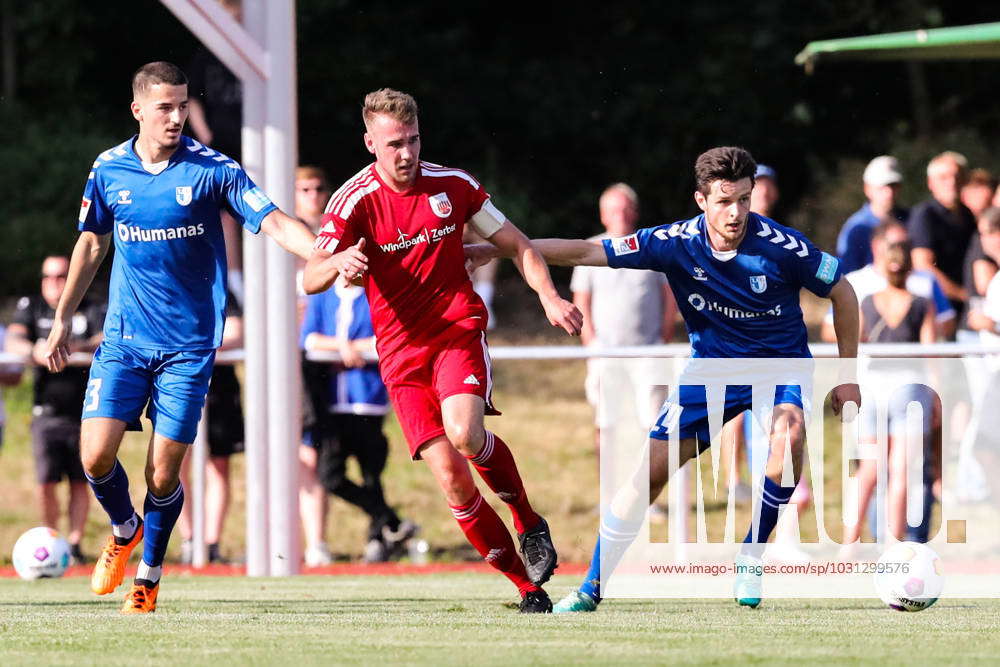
(909, 576)
(40, 552)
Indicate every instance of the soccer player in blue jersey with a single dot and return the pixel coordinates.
(158, 196)
(736, 276)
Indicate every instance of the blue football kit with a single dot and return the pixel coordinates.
(167, 296)
(735, 304)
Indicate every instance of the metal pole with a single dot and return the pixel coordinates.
(285, 418)
(255, 318)
(199, 459)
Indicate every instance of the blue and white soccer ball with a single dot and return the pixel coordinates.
(40, 552)
(909, 576)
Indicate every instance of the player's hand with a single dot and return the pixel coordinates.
(845, 393)
(56, 354)
(562, 313)
(348, 355)
(352, 262)
(478, 254)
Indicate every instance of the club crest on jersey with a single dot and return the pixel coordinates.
(440, 204)
(625, 245)
(758, 284)
(183, 194)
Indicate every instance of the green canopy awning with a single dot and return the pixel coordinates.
(968, 42)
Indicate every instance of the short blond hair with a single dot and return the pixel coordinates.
(949, 156)
(625, 190)
(308, 171)
(394, 103)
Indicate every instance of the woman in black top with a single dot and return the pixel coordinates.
(894, 315)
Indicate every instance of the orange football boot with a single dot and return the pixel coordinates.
(141, 600)
(110, 567)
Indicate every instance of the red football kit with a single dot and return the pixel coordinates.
(429, 323)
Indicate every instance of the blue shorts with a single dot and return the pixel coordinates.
(124, 379)
(690, 413)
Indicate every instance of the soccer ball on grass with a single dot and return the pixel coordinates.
(909, 576)
(40, 552)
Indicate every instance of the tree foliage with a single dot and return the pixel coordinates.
(546, 102)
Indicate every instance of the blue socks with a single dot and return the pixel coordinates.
(614, 538)
(160, 516)
(111, 491)
(767, 516)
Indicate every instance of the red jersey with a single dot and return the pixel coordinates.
(416, 282)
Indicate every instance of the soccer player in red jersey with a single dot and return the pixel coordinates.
(397, 225)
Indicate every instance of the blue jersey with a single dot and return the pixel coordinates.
(343, 312)
(737, 304)
(168, 281)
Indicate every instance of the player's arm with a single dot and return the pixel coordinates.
(291, 234)
(88, 253)
(324, 267)
(511, 242)
(559, 252)
(669, 313)
(846, 324)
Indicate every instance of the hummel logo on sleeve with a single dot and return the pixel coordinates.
(626, 245)
(787, 241)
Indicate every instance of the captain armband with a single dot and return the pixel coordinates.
(488, 221)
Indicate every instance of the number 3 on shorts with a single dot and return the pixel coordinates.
(93, 394)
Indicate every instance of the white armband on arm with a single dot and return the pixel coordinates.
(488, 221)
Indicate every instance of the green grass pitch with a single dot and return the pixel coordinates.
(465, 619)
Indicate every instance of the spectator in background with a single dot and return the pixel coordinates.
(894, 314)
(622, 308)
(941, 227)
(978, 269)
(874, 278)
(58, 398)
(312, 191)
(225, 438)
(985, 317)
(349, 420)
(765, 191)
(881, 181)
(977, 193)
(215, 106)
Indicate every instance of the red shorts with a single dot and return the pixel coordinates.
(420, 377)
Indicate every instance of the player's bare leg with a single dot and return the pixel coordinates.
(164, 499)
(462, 415)
(788, 434)
(100, 438)
(621, 523)
(477, 519)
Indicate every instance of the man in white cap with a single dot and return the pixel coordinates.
(881, 182)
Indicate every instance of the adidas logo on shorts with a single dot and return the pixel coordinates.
(471, 380)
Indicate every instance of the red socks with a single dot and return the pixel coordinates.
(484, 529)
(496, 466)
